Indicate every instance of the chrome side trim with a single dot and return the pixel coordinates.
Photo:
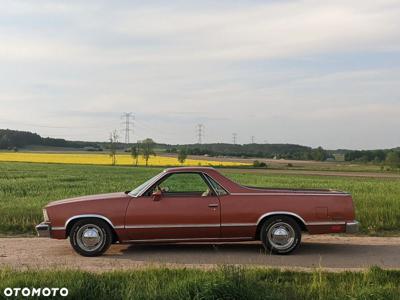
(57, 228)
(326, 223)
(190, 239)
(92, 216)
(145, 226)
(284, 194)
(238, 224)
(280, 213)
(230, 224)
(170, 226)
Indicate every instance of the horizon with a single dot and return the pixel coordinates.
(298, 72)
(182, 144)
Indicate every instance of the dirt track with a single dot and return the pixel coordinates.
(330, 252)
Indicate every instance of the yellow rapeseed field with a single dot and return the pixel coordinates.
(105, 159)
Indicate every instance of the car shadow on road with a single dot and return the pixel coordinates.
(309, 254)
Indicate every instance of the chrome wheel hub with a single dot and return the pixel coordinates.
(90, 237)
(281, 235)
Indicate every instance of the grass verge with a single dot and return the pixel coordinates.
(224, 283)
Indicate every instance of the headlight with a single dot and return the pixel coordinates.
(45, 216)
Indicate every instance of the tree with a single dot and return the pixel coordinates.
(135, 153)
(393, 159)
(113, 147)
(147, 149)
(4, 142)
(182, 155)
(319, 154)
(259, 164)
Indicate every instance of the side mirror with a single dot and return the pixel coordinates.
(157, 195)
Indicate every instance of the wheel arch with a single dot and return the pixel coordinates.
(299, 220)
(71, 221)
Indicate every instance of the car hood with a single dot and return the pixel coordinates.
(98, 197)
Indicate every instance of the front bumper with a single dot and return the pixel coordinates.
(352, 227)
(43, 229)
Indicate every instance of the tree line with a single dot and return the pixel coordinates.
(14, 139)
(390, 157)
(278, 151)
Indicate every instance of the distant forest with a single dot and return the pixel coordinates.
(285, 151)
(14, 140)
(376, 156)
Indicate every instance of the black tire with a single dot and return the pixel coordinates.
(97, 232)
(280, 235)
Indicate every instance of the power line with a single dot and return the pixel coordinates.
(234, 138)
(200, 133)
(128, 116)
(253, 139)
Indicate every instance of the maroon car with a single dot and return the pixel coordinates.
(197, 205)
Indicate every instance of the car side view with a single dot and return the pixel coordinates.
(197, 204)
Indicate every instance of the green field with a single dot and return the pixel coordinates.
(331, 166)
(223, 283)
(26, 187)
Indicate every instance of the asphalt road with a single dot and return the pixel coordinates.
(329, 252)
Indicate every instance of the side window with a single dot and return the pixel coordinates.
(218, 189)
(184, 183)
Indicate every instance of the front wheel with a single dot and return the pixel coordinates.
(280, 235)
(90, 237)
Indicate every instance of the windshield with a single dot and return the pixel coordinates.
(144, 185)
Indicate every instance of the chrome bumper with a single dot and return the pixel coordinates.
(43, 229)
(352, 227)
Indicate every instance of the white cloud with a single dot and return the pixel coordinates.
(248, 67)
(167, 34)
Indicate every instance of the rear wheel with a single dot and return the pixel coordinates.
(280, 234)
(90, 237)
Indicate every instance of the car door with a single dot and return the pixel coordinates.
(185, 207)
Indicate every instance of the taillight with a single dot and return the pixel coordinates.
(337, 228)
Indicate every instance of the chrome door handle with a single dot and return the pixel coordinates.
(213, 205)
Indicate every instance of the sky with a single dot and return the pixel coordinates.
(316, 73)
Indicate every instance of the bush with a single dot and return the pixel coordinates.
(259, 164)
(393, 159)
